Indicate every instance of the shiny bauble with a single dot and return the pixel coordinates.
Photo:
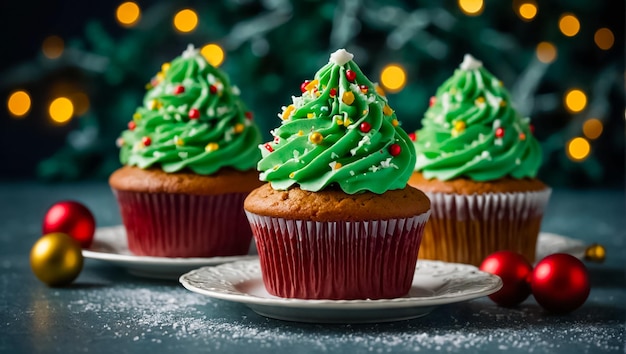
(560, 283)
(71, 218)
(515, 272)
(56, 259)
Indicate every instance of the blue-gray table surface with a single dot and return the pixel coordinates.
(108, 310)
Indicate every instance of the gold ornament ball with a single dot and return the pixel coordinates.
(56, 259)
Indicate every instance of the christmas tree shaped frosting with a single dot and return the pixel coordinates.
(339, 132)
(191, 118)
(471, 130)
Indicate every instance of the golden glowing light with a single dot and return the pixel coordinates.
(52, 47)
(592, 128)
(393, 77)
(80, 102)
(569, 25)
(186, 20)
(18, 103)
(575, 100)
(528, 11)
(128, 14)
(546, 52)
(604, 38)
(471, 7)
(61, 110)
(213, 53)
(578, 149)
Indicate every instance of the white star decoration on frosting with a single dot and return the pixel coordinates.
(341, 56)
(190, 51)
(470, 63)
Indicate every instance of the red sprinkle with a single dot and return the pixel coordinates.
(146, 141)
(499, 133)
(276, 140)
(532, 128)
(213, 89)
(364, 88)
(333, 92)
(432, 101)
(365, 127)
(413, 136)
(395, 149)
(179, 89)
(249, 115)
(132, 125)
(194, 113)
(350, 75)
(303, 85)
(268, 147)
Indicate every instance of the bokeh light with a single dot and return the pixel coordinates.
(578, 149)
(186, 20)
(393, 77)
(592, 128)
(81, 103)
(128, 14)
(604, 38)
(546, 52)
(61, 110)
(19, 103)
(569, 24)
(52, 47)
(527, 11)
(471, 7)
(575, 100)
(213, 53)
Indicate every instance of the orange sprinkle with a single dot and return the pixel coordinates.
(288, 111)
(239, 128)
(387, 110)
(394, 122)
(311, 85)
(210, 147)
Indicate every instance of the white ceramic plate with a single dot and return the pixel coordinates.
(435, 283)
(110, 246)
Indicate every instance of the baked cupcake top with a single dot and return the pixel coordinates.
(471, 130)
(339, 132)
(191, 118)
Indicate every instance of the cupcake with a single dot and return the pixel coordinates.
(189, 158)
(336, 219)
(477, 160)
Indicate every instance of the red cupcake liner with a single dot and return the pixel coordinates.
(181, 225)
(337, 260)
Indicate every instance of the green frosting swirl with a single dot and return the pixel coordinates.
(471, 130)
(340, 132)
(191, 118)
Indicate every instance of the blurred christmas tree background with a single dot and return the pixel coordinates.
(74, 71)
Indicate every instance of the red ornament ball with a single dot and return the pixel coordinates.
(213, 89)
(395, 149)
(413, 136)
(333, 92)
(432, 101)
(560, 283)
(179, 89)
(365, 127)
(71, 218)
(499, 133)
(194, 113)
(146, 141)
(132, 125)
(515, 272)
(303, 85)
(249, 115)
(350, 75)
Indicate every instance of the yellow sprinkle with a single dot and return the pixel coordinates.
(499, 83)
(148, 86)
(348, 98)
(480, 100)
(365, 111)
(137, 116)
(154, 104)
(316, 138)
(288, 111)
(339, 121)
(387, 110)
(160, 76)
(239, 128)
(178, 141)
(292, 174)
(165, 67)
(211, 147)
(503, 103)
(317, 94)
(311, 85)
(275, 167)
(300, 133)
(310, 115)
(453, 90)
(394, 122)
(347, 122)
(459, 126)
(379, 90)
